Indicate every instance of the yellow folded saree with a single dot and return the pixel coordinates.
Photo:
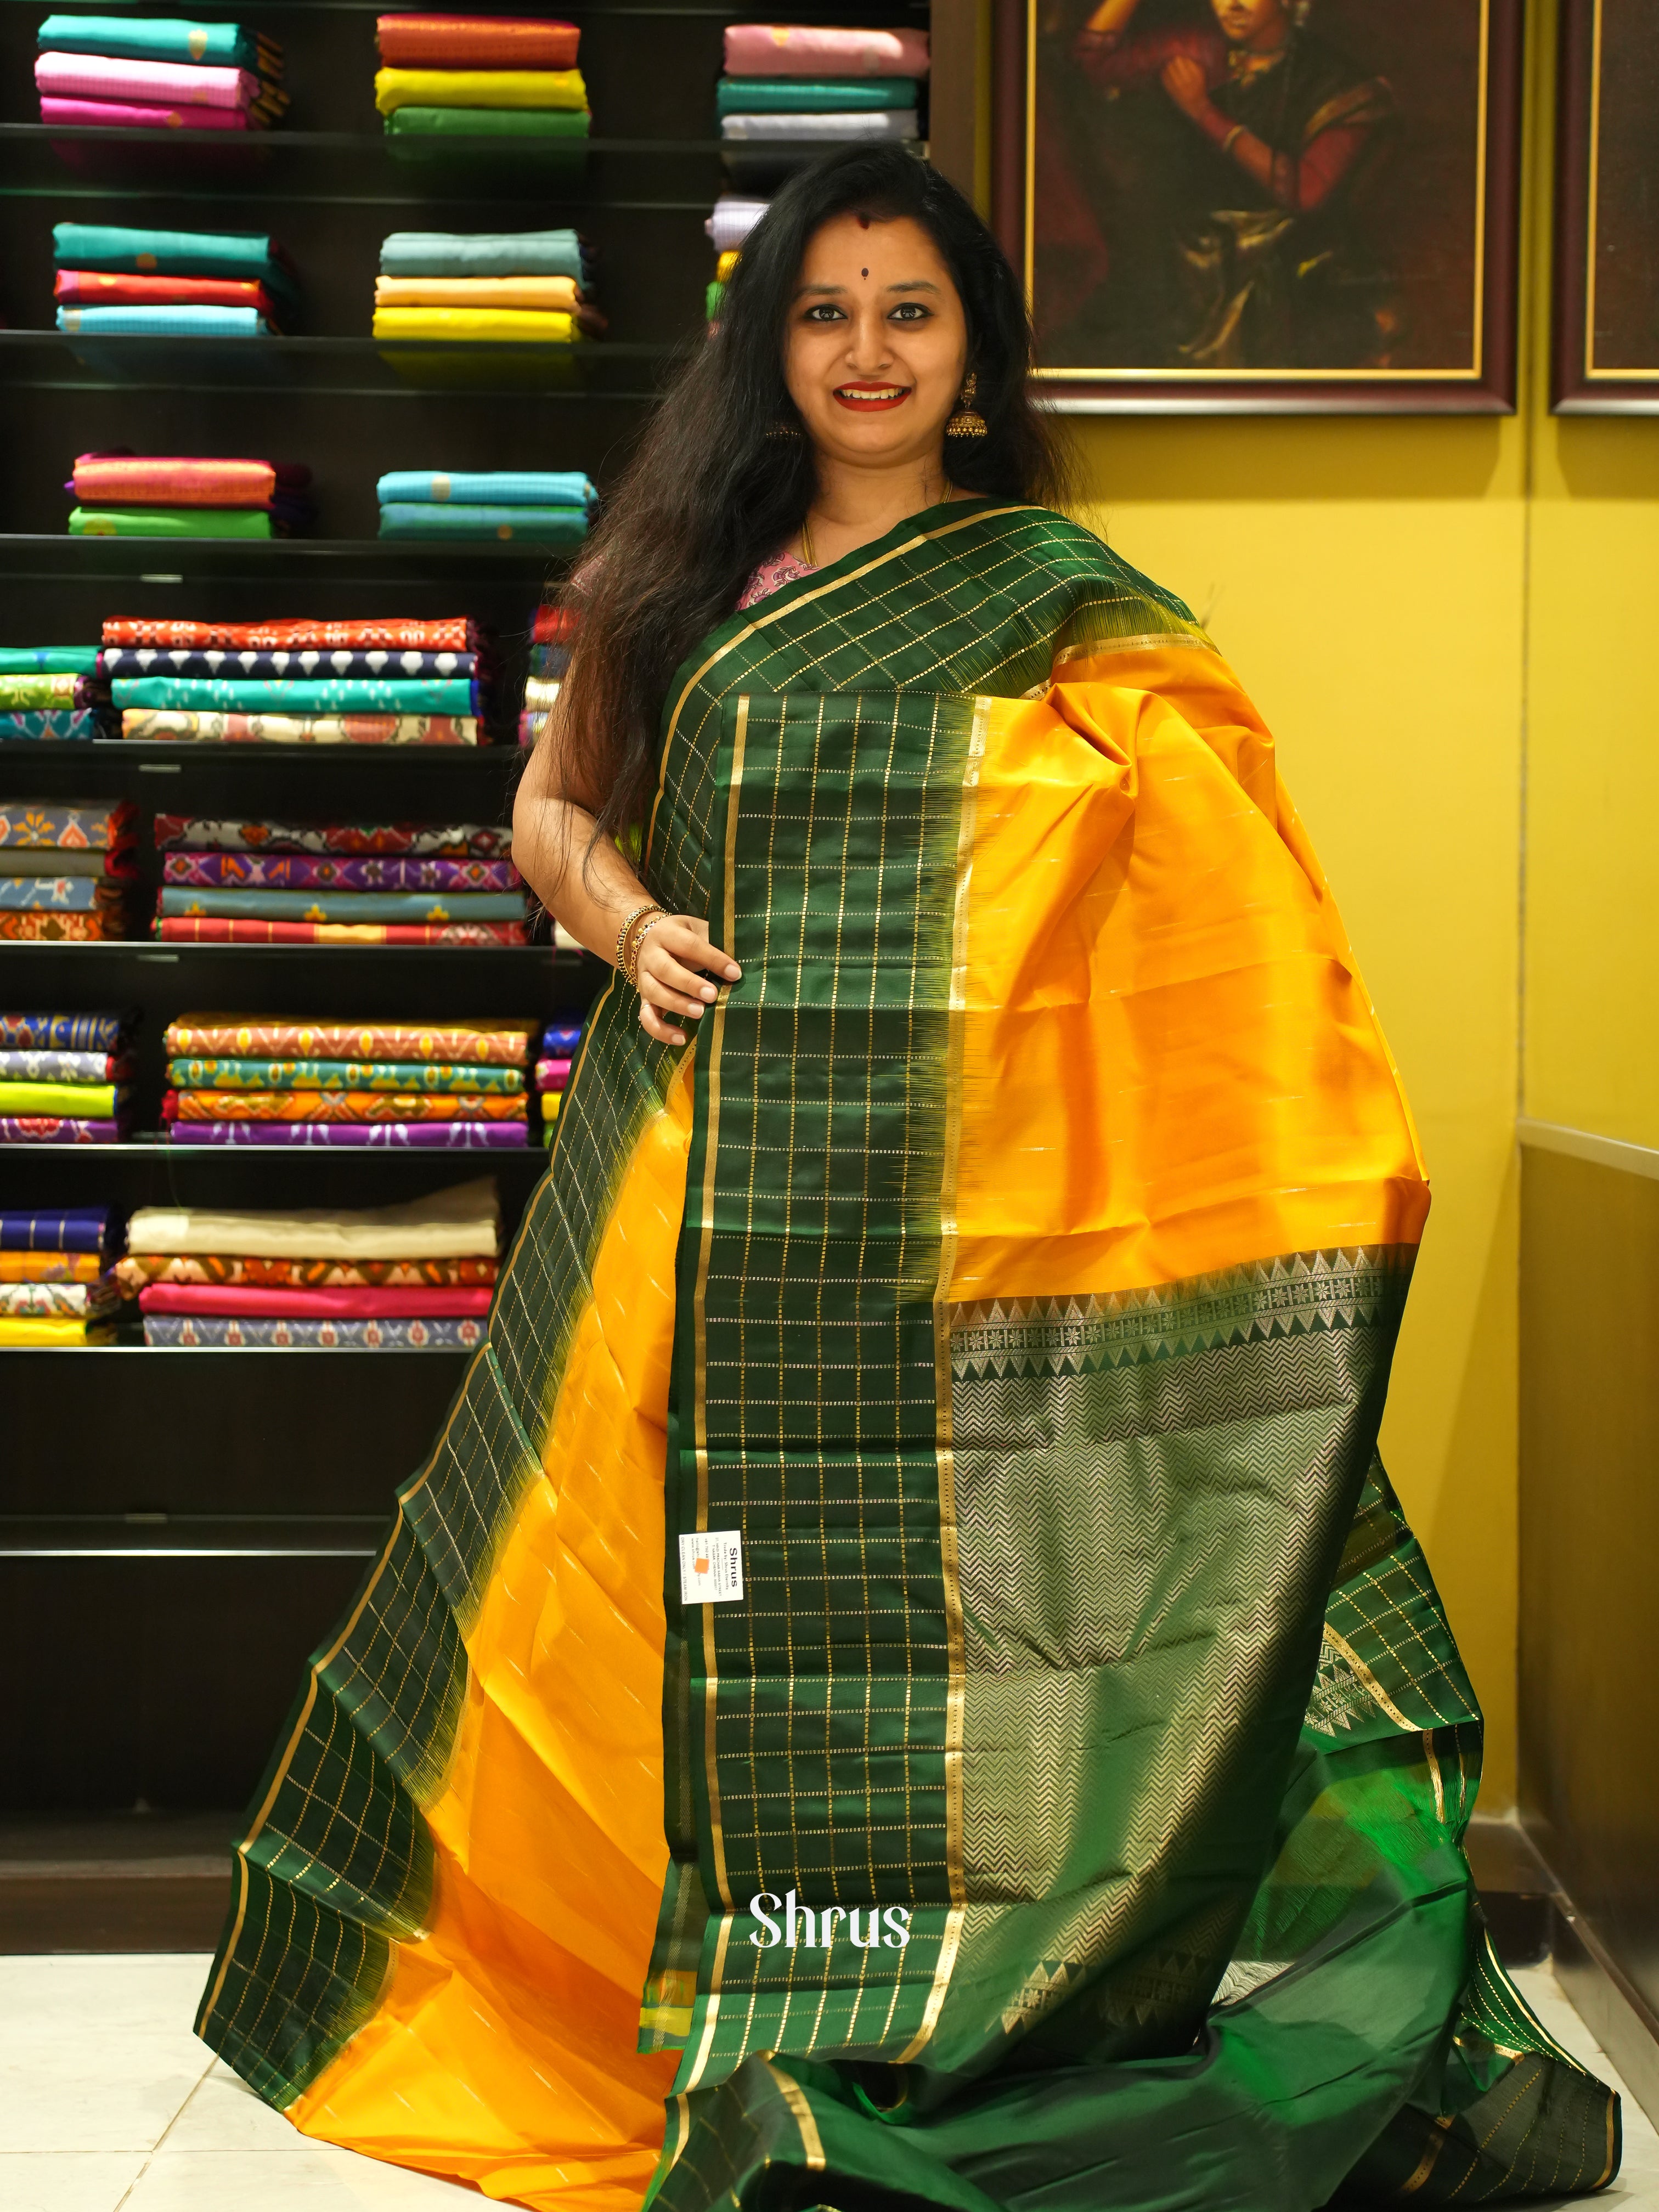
(1059, 1801)
(560, 293)
(434, 88)
(522, 324)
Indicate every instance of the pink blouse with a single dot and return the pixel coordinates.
(771, 576)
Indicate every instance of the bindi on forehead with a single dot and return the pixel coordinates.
(864, 272)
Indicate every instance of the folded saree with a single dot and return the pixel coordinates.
(877, 123)
(54, 1335)
(491, 487)
(308, 872)
(90, 1102)
(451, 634)
(46, 926)
(42, 824)
(56, 1228)
(463, 1222)
(224, 1073)
(300, 695)
(159, 39)
(48, 659)
(178, 481)
(558, 529)
(25, 1065)
(552, 1074)
(452, 841)
(57, 1128)
(483, 1043)
(815, 50)
(1077, 1645)
(247, 1302)
(78, 111)
(59, 722)
(562, 293)
(178, 722)
(167, 84)
(39, 690)
(182, 322)
(112, 869)
(806, 95)
(411, 1106)
(321, 904)
(103, 1033)
(313, 1335)
(250, 255)
(52, 1267)
(64, 894)
(476, 41)
(523, 325)
(93, 288)
(280, 661)
(496, 89)
(383, 1136)
(561, 1039)
(485, 253)
(77, 1301)
(215, 929)
(134, 1269)
(417, 124)
(168, 522)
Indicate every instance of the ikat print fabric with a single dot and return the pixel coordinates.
(63, 1079)
(492, 1044)
(455, 633)
(316, 1335)
(458, 841)
(302, 871)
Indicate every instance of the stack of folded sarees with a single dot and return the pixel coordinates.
(551, 634)
(52, 691)
(297, 883)
(152, 496)
(56, 1284)
(790, 87)
(506, 78)
(457, 1086)
(528, 287)
(547, 507)
(390, 1278)
(63, 1079)
(734, 218)
(157, 73)
(67, 871)
(116, 282)
(300, 681)
(561, 1041)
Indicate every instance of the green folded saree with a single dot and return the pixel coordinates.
(903, 1655)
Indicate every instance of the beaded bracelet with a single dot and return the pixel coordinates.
(639, 927)
(638, 913)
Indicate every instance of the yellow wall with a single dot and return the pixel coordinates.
(1405, 611)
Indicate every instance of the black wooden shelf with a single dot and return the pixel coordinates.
(217, 752)
(192, 1536)
(394, 561)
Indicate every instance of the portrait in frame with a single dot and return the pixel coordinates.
(1607, 231)
(1277, 206)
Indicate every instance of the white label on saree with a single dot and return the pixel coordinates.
(711, 1567)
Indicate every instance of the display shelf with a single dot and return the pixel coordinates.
(155, 751)
(64, 361)
(394, 561)
(195, 1536)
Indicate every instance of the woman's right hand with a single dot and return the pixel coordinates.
(674, 963)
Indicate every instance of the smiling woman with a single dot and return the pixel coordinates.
(922, 1472)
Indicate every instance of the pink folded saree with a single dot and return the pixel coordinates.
(177, 480)
(429, 1303)
(816, 49)
(122, 115)
(158, 84)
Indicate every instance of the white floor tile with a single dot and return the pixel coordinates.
(316, 2179)
(96, 2053)
(1637, 2189)
(67, 2181)
(225, 2115)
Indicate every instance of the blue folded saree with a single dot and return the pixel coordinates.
(180, 322)
(489, 487)
(345, 905)
(250, 255)
(48, 659)
(559, 528)
(49, 722)
(59, 1228)
(801, 95)
(402, 695)
(483, 253)
(151, 38)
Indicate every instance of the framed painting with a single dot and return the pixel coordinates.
(1606, 229)
(1283, 206)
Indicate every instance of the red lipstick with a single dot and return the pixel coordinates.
(870, 397)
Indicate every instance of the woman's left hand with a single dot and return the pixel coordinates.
(1186, 84)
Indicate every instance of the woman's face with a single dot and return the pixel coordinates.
(877, 343)
(1259, 25)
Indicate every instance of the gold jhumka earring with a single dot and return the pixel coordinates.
(966, 421)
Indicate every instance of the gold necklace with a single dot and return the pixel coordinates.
(806, 543)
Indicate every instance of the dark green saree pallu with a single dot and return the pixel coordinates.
(1037, 1778)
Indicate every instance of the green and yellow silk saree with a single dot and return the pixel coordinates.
(1066, 1811)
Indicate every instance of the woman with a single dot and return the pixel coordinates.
(1227, 211)
(969, 1265)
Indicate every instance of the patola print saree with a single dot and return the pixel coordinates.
(1050, 1793)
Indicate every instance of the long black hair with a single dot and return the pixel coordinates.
(708, 494)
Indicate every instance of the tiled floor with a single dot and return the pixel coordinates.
(108, 2100)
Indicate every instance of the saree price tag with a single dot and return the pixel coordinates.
(711, 1567)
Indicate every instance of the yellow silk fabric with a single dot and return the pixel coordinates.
(447, 88)
(1170, 1063)
(558, 292)
(518, 323)
(502, 2051)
